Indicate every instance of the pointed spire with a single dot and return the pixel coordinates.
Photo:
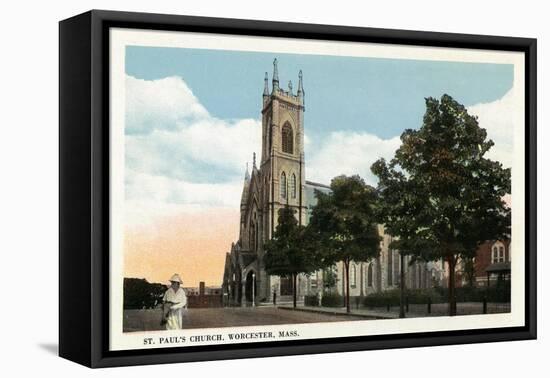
(300, 84)
(275, 76)
(290, 87)
(266, 86)
(246, 174)
(253, 160)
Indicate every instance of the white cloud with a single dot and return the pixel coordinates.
(348, 153)
(353, 153)
(178, 156)
(499, 118)
(151, 196)
(160, 104)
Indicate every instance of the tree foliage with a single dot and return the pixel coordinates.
(440, 195)
(344, 224)
(138, 293)
(290, 251)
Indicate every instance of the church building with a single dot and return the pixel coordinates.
(278, 180)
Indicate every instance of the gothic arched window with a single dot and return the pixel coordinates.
(498, 253)
(353, 275)
(287, 139)
(293, 185)
(252, 237)
(283, 185)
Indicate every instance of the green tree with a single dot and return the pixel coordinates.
(469, 271)
(329, 278)
(139, 293)
(344, 224)
(441, 197)
(291, 250)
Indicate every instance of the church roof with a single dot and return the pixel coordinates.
(312, 183)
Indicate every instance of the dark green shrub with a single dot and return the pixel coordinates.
(332, 300)
(393, 297)
(311, 300)
(500, 292)
(138, 293)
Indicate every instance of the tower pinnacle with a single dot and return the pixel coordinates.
(246, 174)
(300, 84)
(275, 76)
(266, 86)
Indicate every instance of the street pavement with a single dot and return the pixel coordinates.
(415, 310)
(149, 320)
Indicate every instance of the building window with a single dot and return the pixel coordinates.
(353, 275)
(287, 139)
(253, 237)
(256, 244)
(283, 185)
(293, 185)
(498, 255)
(369, 275)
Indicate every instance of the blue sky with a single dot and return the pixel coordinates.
(193, 117)
(382, 96)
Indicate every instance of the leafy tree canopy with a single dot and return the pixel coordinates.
(440, 195)
(290, 250)
(344, 221)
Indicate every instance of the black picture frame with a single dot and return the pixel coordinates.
(84, 187)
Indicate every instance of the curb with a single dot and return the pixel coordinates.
(372, 317)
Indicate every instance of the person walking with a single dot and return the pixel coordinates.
(174, 304)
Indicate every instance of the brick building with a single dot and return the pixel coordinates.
(492, 262)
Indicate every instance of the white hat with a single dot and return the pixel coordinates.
(176, 278)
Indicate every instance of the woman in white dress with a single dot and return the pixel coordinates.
(175, 304)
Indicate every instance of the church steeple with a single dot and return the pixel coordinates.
(275, 76)
(246, 174)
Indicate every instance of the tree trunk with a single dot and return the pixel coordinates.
(346, 267)
(362, 280)
(294, 291)
(402, 287)
(452, 298)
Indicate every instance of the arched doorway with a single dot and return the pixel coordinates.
(237, 292)
(251, 283)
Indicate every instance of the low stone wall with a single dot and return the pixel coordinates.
(204, 301)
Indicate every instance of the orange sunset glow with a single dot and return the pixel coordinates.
(191, 244)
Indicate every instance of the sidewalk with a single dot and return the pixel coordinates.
(362, 312)
(415, 311)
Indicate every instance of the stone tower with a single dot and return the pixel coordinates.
(282, 164)
(282, 168)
